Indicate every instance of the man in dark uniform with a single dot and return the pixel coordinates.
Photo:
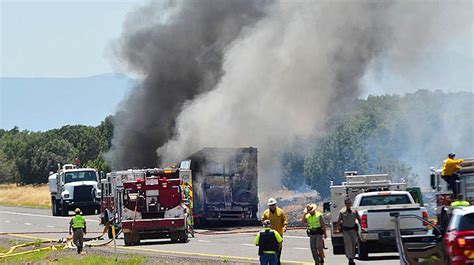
(78, 225)
(268, 242)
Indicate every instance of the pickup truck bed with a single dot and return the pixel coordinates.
(377, 211)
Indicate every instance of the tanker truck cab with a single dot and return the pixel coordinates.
(72, 188)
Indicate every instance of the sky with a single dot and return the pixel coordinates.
(56, 62)
(72, 38)
(59, 38)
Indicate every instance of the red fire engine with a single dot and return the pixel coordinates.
(148, 203)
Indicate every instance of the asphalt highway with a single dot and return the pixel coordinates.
(238, 245)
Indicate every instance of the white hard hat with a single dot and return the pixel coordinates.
(271, 201)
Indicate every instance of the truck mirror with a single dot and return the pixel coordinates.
(326, 207)
(433, 181)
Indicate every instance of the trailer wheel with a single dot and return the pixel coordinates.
(362, 250)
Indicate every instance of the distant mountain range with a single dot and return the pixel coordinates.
(40, 104)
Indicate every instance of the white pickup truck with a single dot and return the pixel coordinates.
(377, 228)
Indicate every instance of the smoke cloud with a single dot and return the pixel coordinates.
(178, 48)
(280, 79)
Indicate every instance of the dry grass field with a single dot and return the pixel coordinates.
(28, 195)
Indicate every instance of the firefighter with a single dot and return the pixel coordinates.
(277, 219)
(316, 231)
(268, 242)
(78, 225)
(347, 223)
(460, 202)
(449, 172)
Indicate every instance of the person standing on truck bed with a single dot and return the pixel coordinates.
(277, 219)
(347, 222)
(449, 172)
(316, 231)
(268, 242)
(78, 225)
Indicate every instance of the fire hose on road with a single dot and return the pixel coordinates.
(59, 244)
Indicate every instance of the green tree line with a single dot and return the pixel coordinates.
(400, 135)
(28, 157)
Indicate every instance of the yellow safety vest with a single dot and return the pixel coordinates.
(313, 221)
(78, 221)
(459, 203)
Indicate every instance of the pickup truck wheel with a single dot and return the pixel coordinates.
(362, 250)
(338, 250)
(337, 245)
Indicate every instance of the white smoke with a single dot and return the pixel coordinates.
(298, 66)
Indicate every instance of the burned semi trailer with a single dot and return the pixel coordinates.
(225, 182)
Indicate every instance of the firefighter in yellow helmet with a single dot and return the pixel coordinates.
(78, 226)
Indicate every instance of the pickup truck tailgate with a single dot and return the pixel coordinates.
(384, 219)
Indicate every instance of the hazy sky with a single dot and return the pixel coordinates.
(59, 38)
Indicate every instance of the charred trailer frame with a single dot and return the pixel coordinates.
(225, 186)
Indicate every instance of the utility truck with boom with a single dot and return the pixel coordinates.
(354, 185)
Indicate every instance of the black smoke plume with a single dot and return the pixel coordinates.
(178, 47)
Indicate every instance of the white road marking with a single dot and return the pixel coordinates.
(250, 245)
(7, 221)
(48, 216)
(50, 226)
(302, 248)
(301, 237)
(27, 223)
(205, 241)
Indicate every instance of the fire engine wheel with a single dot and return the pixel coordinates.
(180, 236)
(131, 239)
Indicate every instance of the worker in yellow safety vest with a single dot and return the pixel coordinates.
(277, 219)
(316, 230)
(78, 226)
(460, 202)
(268, 242)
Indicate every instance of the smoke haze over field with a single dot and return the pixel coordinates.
(270, 73)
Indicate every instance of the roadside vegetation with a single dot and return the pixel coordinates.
(36, 196)
(93, 256)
